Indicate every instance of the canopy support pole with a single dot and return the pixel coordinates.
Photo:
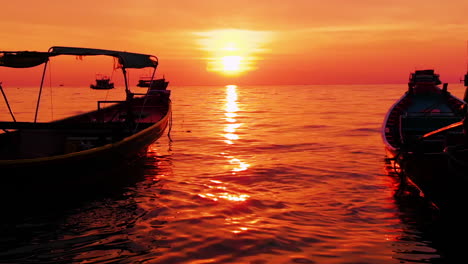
(128, 98)
(40, 90)
(146, 97)
(8, 104)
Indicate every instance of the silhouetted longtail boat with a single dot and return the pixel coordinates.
(417, 131)
(116, 133)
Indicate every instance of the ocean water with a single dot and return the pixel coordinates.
(246, 174)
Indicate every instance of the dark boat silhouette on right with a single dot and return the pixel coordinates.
(424, 138)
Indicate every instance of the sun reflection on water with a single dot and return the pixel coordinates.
(219, 191)
(241, 166)
(231, 126)
(238, 224)
(231, 109)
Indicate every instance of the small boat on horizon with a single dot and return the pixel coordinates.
(413, 139)
(103, 82)
(148, 81)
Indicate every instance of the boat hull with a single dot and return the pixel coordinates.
(457, 157)
(416, 152)
(435, 179)
(76, 168)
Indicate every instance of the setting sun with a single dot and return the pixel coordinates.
(231, 64)
(233, 51)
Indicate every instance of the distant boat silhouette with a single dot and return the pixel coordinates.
(158, 84)
(102, 83)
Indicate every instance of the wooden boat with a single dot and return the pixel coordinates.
(102, 83)
(412, 137)
(160, 84)
(117, 133)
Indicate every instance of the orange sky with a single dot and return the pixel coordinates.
(255, 42)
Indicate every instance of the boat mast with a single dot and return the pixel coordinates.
(465, 97)
(465, 80)
(151, 81)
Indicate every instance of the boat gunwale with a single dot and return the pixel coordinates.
(383, 134)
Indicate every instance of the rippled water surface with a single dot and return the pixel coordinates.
(249, 174)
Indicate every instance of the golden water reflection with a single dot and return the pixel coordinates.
(219, 191)
(241, 166)
(232, 125)
(231, 108)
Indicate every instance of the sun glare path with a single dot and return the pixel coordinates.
(233, 51)
(222, 192)
(219, 190)
(231, 126)
(231, 109)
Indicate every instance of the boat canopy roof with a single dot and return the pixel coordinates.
(26, 59)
